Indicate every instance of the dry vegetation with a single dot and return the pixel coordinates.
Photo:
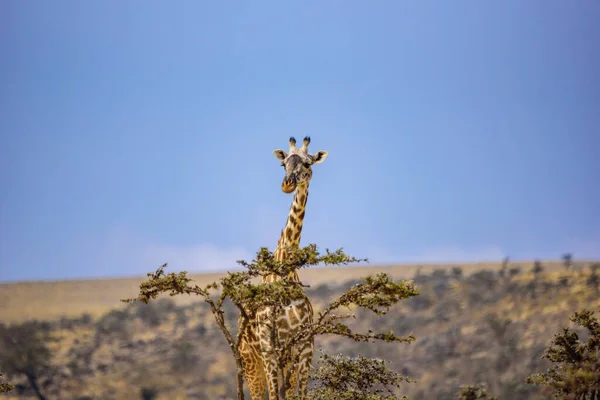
(50, 300)
(474, 324)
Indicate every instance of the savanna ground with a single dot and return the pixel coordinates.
(474, 323)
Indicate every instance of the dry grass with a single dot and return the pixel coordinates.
(50, 300)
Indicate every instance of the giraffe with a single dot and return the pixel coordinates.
(260, 364)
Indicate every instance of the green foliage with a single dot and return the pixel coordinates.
(474, 392)
(575, 370)
(375, 293)
(354, 378)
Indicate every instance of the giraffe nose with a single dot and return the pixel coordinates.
(288, 185)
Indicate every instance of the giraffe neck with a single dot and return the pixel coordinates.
(290, 234)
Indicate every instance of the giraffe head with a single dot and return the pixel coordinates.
(298, 164)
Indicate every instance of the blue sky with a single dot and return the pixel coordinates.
(141, 132)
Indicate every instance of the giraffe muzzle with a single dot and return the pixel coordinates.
(289, 185)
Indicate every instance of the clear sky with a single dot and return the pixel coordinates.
(141, 132)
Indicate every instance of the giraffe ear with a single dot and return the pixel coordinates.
(319, 156)
(280, 154)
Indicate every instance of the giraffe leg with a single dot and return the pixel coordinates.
(254, 371)
(269, 358)
(271, 370)
(255, 377)
(271, 376)
(293, 380)
(304, 366)
(257, 384)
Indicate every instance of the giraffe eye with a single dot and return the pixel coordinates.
(306, 164)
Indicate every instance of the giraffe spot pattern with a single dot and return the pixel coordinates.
(262, 371)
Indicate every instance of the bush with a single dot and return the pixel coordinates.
(474, 392)
(354, 378)
(116, 322)
(575, 370)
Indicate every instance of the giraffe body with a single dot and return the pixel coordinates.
(260, 363)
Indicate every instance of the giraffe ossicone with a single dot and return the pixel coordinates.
(260, 363)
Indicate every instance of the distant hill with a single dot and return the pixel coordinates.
(474, 323)
(53, 299)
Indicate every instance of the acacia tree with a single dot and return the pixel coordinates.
(24, 352)
(375, 293)
(567, 260)
(575, 370)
